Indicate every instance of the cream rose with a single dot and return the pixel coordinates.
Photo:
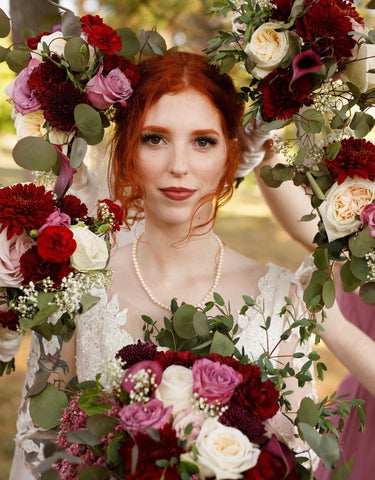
(31, 125)
(357, 71)
(176, 388)
(9, 344)
(91, 252)
(224, 452)
(267, 48)
(55, 42)
(343, 205)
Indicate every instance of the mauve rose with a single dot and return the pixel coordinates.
(138, 417)
(214, 381)
(368, 216)
(22, 95)
(10, 253)
(56, 219)
(104, 91)
(153, 368)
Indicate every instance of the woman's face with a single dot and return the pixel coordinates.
(181, 157)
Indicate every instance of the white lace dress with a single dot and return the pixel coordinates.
(101, 332)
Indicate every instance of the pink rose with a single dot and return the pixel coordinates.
(153, 369)
(56, 219)
(104, 91)
(138, 417)
(214, 381)
(186, 417)
(368, 216)
(22, 95)
(10, 253)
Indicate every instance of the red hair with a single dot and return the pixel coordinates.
(160, 75)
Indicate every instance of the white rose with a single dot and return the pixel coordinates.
(343, 204)
(284, 430)
(31, 125)
(224, 452)
(176, 388)
(55, 42)
(9, 344)
(267, 48)
(10, 253)
(91, 252)
(357, 71)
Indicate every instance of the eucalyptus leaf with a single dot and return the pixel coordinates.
(367, 293)
(332, 150)
(348, 281)
(76, 52)
(3, 53)
(93, 473)
(361, 243)
(152, 43)
(101, 425)
(183, 321)
(17, 60)
(227, 64)
(83, 437)
(78, 152)
(321, 258)
(308, 412)
(359, 268)
(312, 121)
(329, 451)
(329, 293)
(129, 41)
(275, 125)
(89, 123)
(201, 325)
(46, 408)
(362, 123)
(222, 344)
(4, 24)
(39, 318)
(70, 26)
(34, 153)
(87, 301)
(343, 471)
(26, 33)
(44, 299)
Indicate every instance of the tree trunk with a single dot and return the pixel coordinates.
(25, 13)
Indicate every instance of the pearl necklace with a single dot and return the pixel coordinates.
(202, 303)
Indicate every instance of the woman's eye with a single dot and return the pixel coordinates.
(204, 142)
(151, 138)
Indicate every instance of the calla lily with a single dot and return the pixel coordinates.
(304, 63)
(66, 172)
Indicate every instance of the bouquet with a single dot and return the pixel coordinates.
(311, 66)
(69, 79)
(187, 414)
(52, 255)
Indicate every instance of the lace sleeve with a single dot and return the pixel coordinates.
(30, 440)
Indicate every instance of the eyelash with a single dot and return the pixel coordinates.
(147, 137)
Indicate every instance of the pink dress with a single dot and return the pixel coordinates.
(353, 442)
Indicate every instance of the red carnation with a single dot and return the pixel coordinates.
(89, 21)
(325, 26)
(255, 395)
(114, 210)
(24, 207)
(32, 42)
(34, 268)
(280, 99)
(9, 319)
(110, 62)
(186, 359)
(269, 467)
(356, 157)
(72, 206)
(101, 35)
(56, 244)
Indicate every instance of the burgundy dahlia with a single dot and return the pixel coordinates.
(356, 157)
(132, 354)
(24, 207)
(241, 419)
(72, 206)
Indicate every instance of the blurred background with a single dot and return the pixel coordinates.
(246, 224)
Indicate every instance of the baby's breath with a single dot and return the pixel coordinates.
(105, 213)
(213, 409)
(370, 257)
(47, 179)
(143, 383)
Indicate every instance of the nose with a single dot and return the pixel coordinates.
(179, 162)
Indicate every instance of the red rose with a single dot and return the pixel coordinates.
(9, 319)
(325, 26)
(34, 268)
(280, 99)
(72, 206)
(356, 158)
(255, 395)
(24, 207)
(56, 244)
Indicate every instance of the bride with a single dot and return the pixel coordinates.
(174, 155)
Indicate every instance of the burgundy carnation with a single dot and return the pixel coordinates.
(110, 62)
(325, 26)
(56, 244)
(132, 354)
(9, 319)
(269, 467)
(282, 100)
(72, 206)
(24, 207)
(186, 359)
(241, 419)
(356, 157)
(255, 395)
(34, 268)
(282, 10)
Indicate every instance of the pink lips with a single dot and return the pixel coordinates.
(177, 193)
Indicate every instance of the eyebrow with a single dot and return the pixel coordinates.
(159, 129)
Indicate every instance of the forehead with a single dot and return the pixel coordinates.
(188, 107)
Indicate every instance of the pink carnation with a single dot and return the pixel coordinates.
(215, 381)
(368, 216)
(138, 417)
(56, 219)
(104, 91)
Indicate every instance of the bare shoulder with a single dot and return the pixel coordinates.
(238, 264)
